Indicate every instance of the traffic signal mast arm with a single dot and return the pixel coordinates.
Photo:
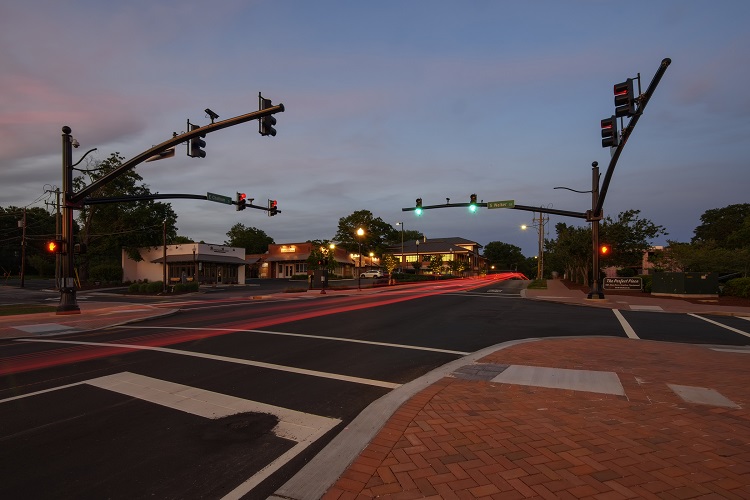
(564, 213)
(77, 198)
(642, 101)
(127, 199)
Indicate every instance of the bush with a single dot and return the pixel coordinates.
(106, 273)
(647, 280)
(738, 287)
(134, 288)
(626, 272)
(186, 287)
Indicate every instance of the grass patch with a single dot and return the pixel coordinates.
(538, 285)
(11, 310)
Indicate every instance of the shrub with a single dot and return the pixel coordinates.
(647, 280)
(186, 287)
(738, 287)
(107, 272)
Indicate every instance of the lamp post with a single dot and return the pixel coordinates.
(416, 269)
(401, 258)
(360, 233)
(595, 292)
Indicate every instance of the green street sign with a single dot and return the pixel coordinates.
(501, 204)
(219, 198)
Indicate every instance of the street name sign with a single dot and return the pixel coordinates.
(219, 198)
(501, 204)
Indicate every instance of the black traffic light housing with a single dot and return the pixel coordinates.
(610, 138)
(265, 124)
(624, 98)
(197, 144)
(418, 209)
(473, 203)
(241, 201)
(273, 208)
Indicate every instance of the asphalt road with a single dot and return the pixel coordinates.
(231, 396)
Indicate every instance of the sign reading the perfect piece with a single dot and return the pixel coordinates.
(623, 284)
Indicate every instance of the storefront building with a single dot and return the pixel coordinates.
(186, 262)
(450, 249)
(290, 259)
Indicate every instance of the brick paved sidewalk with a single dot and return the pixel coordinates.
(462, 438)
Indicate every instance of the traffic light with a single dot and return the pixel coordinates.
(610, 138)
(55, 246)
(273, 208)
(197, 144)
(241, 201)
(605, 250)
(624, 99)
(265, 125)
(418, 210)
(473, 203)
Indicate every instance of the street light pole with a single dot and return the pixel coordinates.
(360, 233)
(68, 304)
(595, 292)
(401, 258)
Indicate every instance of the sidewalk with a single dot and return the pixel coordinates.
(599, 418)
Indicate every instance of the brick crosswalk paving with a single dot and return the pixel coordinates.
(464, 437)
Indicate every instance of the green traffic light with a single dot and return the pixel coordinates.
(472, 208)
(418, 211)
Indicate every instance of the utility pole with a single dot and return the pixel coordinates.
(23, 247)
(164, 268)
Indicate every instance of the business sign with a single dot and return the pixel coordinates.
(623, 284)
(501, 204)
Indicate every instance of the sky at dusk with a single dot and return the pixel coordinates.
(385, 102)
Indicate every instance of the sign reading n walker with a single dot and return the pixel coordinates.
(219, 198)
(501, 204)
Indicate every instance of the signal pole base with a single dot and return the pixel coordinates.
(68, 304)
(595, 292)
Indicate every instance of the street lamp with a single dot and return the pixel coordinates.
(401, 259)
(360, 233)
(416, 269)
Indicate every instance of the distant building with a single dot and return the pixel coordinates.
(455, 248)
(286, 260)
(204, 262)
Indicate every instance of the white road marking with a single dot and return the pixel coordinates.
(562, 378)
(625, 325)
(258, 364)
(302, 335)
(735, 330)
(303, 428)
(702, 396)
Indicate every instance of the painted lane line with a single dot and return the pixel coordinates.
(735, 330)
(257, 364)
(302, 335)
(625, 325)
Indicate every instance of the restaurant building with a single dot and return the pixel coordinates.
(289, 259)
(455, 248)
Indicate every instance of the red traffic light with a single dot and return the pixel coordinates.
(624, 98)
(604, 250)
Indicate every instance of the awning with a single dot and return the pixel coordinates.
(190, 258)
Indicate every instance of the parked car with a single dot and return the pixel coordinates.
(371, 274)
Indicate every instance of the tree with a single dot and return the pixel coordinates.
(378, 233)
(109, 227)
(729, 227)
(40, 228)
(629, 237)
(389, 262)
(503, 255)
(252, 239)
(436, 264)
(570, 252)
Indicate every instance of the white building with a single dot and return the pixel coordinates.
(207, 263)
